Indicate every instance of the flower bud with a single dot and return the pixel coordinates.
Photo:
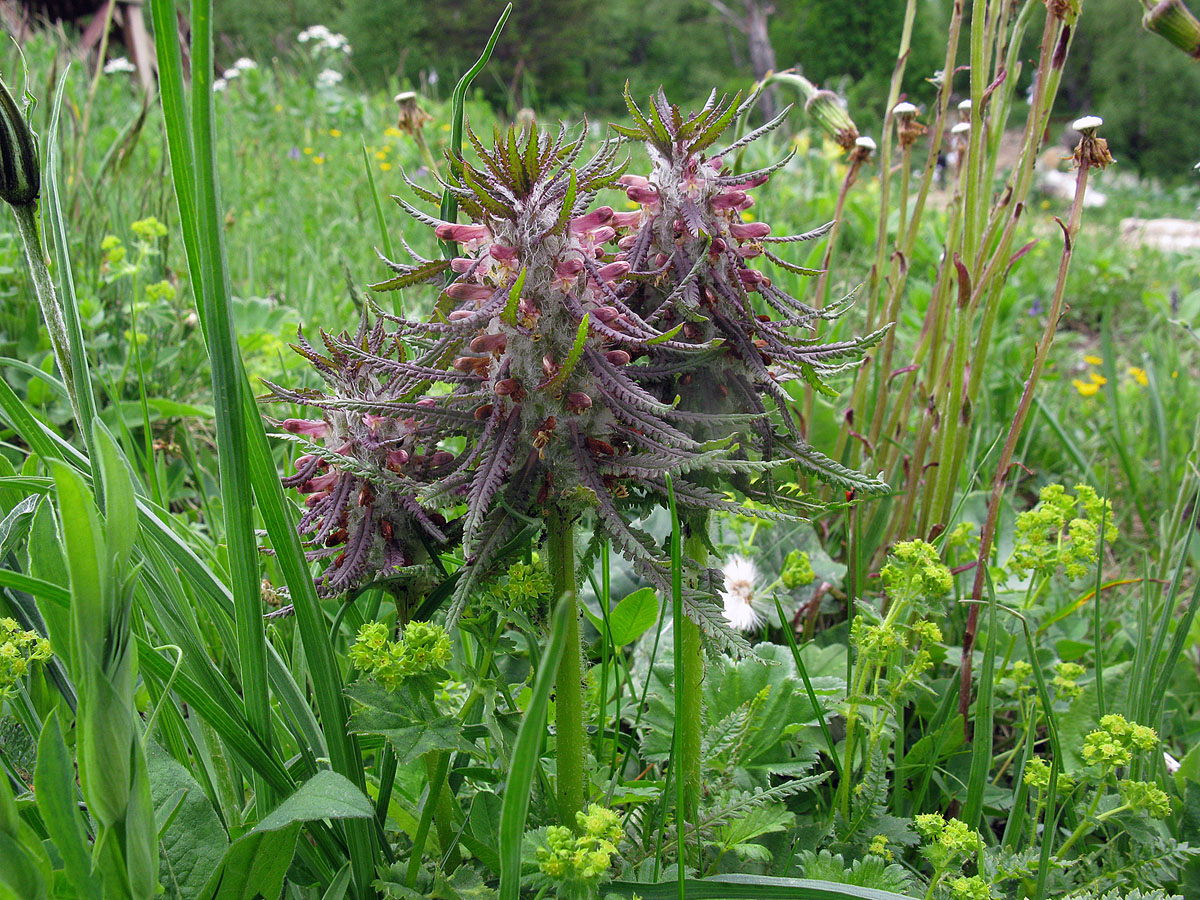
(465, 290)
(20, 179)
(829, 112)
(305, 427)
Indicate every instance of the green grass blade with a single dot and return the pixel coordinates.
(526, 753)
(982, 738)
(232, 451)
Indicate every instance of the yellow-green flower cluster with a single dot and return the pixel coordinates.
(1066, 679)
(1116, 740)
(1147, 796)
(973, 888)
(874, 641)
(797, 570)
(585, 856)
(947, 841)
(528, 585)
(1062, 531)
(114, 250)
(423, 647)
(1037, 776)
(18, 649)
(879, 847)
(149, 229)
(914, 571)
(963, 536)
(160, 290)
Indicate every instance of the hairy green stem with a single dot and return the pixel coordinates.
(694, 548)
(568, 716)
(39, 273)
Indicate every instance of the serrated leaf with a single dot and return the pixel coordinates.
(421, 273)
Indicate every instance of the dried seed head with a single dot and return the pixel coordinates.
(412, 118)
(1091, 151)
(829, 111)
(908, 129)
(863, 148)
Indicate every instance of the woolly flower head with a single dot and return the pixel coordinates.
(744, 607)
(689, 232)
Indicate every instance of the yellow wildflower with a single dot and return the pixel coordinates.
(446, 127)
(308, 151)
(385, 166)
(1139, 375)
(334, 132)
(319, 160)
(379, 154)
(747, 216)
(1093, 360)
(278, 107)
(1097, 378)
(1087, 389)
(393, 131)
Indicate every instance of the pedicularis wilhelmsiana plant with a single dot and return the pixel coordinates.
(576, 356)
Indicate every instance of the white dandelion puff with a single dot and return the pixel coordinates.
(745, 609)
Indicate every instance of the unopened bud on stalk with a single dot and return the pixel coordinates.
(908, 129)
(20, 179)
(1092, 151)
(412, 118)
(1171, 19)
(827, 109)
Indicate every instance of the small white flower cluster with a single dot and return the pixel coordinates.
(745, 607)
(323, 39)
(245, 64)
(328, 79)
(118, 64)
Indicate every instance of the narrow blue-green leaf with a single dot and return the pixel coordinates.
(52, 212)
(982, 737)
(752, 887)
(526, 752)
(449, 212)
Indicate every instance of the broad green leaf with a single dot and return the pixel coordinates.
(54, 783)
(254, 866)
(83, 542)
(327, 795)
(120, 506)
(194, 841)
(411, 737)
(633, 616)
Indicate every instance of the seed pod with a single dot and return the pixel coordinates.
(20, 179)
(827, 108)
